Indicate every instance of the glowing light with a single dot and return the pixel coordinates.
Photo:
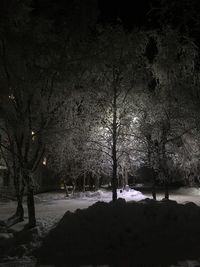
(44, 162)
(12, 97)
(33, 135)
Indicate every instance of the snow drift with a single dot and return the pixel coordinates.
(144, 233)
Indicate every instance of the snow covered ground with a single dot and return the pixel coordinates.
(162, 232)
(51, 206)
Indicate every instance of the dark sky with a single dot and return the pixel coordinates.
(181, 14)
(131, 13)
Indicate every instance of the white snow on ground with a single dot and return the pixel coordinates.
(49, 196)
(51, 206)
(192, 191)
(105, 195)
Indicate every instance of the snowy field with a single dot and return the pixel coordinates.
(50, 207)
(138, 232)
(55, 204)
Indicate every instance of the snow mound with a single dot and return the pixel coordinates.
(131, 195)
(144, 233)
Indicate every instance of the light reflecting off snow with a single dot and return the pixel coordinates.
(106, 196)
(192, 191)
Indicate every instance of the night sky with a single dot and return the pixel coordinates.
(142, 14)
(131, 13)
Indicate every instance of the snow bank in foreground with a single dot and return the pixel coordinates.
(144, 233)
(106, 196)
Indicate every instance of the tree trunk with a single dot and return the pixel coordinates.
(66, 188)
(164, 163)
(166, 190)
(114, 182)
(126, 177)
(84, 180)
(20, 210)
(154, 176)
(154, 189)
(30, 199)
(123, 184)
(73, 186)
(114, 147)
(97, 183)
(31, 207)
(150, 164)
(19, 214)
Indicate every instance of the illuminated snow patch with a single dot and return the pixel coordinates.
(193, 191)
(106, 196)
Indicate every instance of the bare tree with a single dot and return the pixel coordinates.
(116, 77)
